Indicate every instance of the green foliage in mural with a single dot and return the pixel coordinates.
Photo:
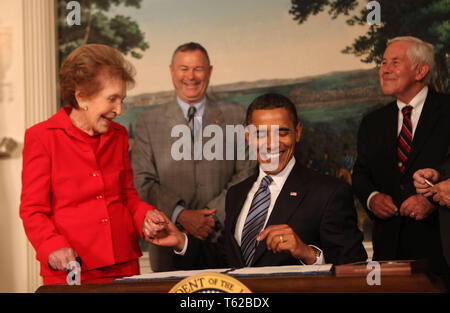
(97, 25)
(426, 19)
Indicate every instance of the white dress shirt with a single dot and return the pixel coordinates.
(417, 103)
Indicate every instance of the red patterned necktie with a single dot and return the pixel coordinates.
(405, 138)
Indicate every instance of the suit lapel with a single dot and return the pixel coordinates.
(212, 115)
(290, 197)
(390, 134)
(288, 202)
(235, 209)
(174, 114)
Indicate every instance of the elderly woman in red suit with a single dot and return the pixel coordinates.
(77, 197)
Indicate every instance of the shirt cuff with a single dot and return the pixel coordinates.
(182, 252)
(369, 198)
(320, 260)
(178, 209)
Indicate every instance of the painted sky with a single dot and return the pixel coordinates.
(247, 40)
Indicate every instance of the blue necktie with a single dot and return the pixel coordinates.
(255, 220)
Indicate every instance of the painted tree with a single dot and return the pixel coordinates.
(425, 19)
(97, 26)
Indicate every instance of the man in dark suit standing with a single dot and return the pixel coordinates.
(285, 214)
(396, 140)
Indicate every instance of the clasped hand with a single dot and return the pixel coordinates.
(416, 207)
(440, 191)
(197, 223)
(154, 222)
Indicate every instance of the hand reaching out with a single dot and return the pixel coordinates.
(441, 193)
(419, 180)
(154, 222)
(170, 237)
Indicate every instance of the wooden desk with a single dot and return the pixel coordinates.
(417, 283)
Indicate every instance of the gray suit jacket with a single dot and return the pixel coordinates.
(198, 184)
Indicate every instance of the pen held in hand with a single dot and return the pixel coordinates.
(428, 182)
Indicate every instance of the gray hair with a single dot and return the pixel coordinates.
(419, 52)
(191, 46)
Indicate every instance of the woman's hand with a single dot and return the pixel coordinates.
(154, 222)
(59, 259)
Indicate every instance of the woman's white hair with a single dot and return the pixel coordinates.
(419, 52)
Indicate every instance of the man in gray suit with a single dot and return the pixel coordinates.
(190, 189)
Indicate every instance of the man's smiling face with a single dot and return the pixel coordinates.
(190, 73)
(273, 139)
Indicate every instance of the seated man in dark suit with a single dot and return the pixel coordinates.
(285, 214)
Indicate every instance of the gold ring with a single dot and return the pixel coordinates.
(412, 214)
(281, 239)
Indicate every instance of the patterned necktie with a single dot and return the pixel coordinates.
(405, 138)
(191, 113)
(255, 220)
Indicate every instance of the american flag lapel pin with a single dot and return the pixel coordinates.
(293, 194)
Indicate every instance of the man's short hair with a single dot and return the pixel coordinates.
(191, 46)
(419, 52)
(270, 101)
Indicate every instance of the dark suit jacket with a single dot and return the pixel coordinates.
(444, 213)
(376, 170)
(322, 214)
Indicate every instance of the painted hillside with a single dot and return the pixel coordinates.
(329, 106)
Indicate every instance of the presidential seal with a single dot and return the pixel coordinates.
(210, 283)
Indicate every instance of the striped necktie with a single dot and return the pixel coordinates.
(255, 220)
(405, 138)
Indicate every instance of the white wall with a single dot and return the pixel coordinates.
(27, 96)
(13, 250)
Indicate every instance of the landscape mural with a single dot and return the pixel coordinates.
(323, 55)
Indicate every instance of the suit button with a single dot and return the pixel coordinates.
(104, 221)
(99, 197)
(96, 173)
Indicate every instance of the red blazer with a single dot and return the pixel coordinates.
(73, 196)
